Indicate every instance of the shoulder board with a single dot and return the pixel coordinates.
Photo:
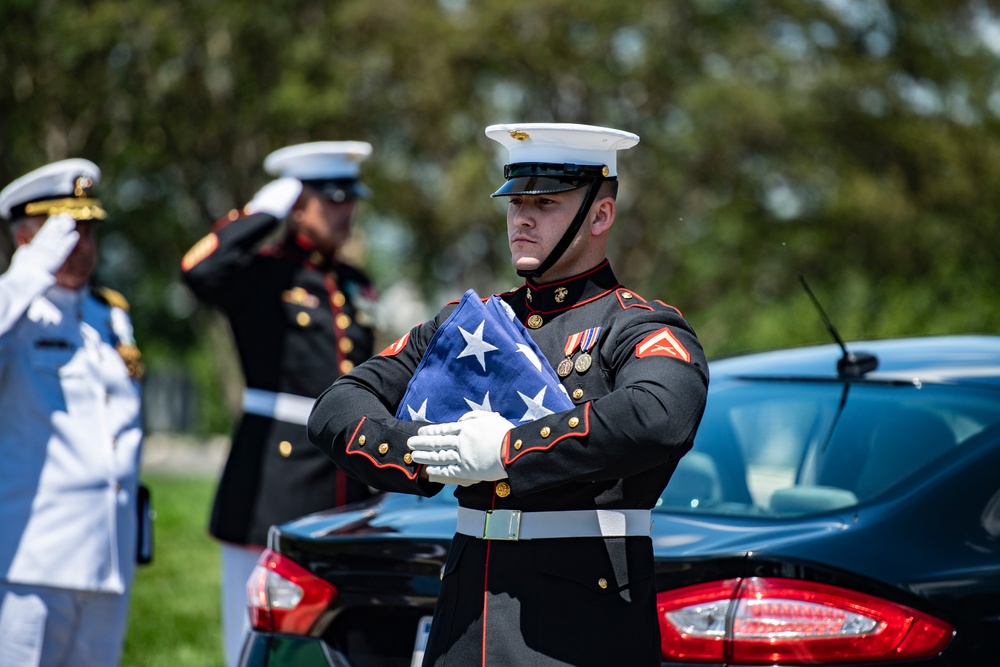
(111, 297)
(512, 291)
(629, 299)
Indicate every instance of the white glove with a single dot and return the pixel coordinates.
(276, 198)
(462, 452)
(51, 245)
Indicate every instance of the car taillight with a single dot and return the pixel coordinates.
(790, 622)
(282, 596)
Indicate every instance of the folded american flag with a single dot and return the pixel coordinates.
(482, 358)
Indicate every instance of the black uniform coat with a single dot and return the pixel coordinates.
(575, 601)
(298, 324)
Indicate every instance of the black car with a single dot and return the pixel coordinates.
(836, 509)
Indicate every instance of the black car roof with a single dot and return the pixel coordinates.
(962, 359)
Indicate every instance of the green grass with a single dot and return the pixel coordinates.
(174, 618)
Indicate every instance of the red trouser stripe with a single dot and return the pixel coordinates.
(486, 579)
(341, 490)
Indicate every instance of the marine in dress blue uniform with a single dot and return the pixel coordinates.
(70, 432)
(300, 318)
(552, 563)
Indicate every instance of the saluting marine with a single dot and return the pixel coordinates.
(300, 318)
(552, 563)
(70, 433)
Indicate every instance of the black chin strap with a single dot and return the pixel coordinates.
(570, 233)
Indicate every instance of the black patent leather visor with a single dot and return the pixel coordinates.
(542, 178)
(340, 189)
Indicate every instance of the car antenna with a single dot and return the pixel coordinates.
(851, 364)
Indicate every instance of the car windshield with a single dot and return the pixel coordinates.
(789, 449)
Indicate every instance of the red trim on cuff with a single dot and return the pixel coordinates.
(410, 474)
(356, 429)
(571, 434)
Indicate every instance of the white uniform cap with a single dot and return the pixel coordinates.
(319, 160)
(559, 143)
(60, 187)
(562, 146)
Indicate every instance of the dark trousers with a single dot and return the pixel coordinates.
(579, 601)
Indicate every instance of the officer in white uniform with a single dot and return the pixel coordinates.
(70, 434)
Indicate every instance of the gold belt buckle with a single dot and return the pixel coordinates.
(502, 525)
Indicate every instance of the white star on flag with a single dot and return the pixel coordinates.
(485, 405)
(418, 415)
(535, 408)
(507, 309)
(475, 346)
(530, 354)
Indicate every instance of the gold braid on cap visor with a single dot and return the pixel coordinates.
(78, 208)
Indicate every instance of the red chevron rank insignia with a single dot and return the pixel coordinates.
(663, 344)
(397, 347)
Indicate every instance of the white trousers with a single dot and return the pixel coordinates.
(57, 627)
(237, 561)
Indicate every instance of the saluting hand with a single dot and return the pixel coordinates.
(463, 452)
(49, 248)
(276, 198)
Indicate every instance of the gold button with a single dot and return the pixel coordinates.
(346, 345)
(573, 422)
(383, 448)
(535, 321)
(285, 448)
(338, 299)
(546, 431)
(345, 366)
(303, 319)
(602, 582)
(343, 321)
(503, 489)
(626, 295)
(316, 257)
(518, 444)
(234, 214)
(407, 458)
(361, 441)
(578, 393)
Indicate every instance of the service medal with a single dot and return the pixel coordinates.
(565, 366)
(589, 339)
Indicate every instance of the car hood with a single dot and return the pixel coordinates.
(390, 515)
(680, 536)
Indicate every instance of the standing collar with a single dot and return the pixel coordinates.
(556, 296)
(300, 248)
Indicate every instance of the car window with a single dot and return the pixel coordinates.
(786, 449)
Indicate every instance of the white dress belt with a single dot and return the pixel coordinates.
(283, 407)
(518, 525)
